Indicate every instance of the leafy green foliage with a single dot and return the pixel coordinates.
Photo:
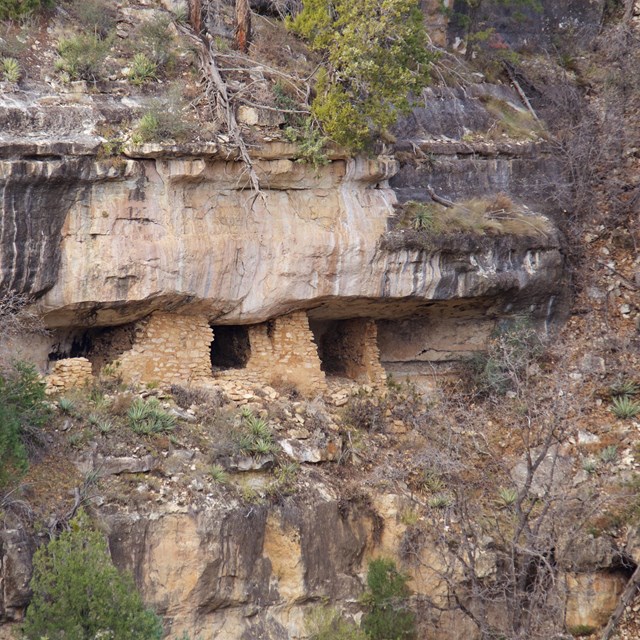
(16, 9)
(78, 594)
(376, 55)
(23, 411)
(327, 624)
(82, 56)
(387, 592)
(311, 142)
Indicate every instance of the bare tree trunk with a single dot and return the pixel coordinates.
(243, 25)
(195, 15)
(628, 10)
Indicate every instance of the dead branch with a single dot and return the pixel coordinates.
(439, 199)
(221, 105)
(520, 90)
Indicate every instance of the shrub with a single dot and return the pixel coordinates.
(512, 349)
(78, 594)
(97, 15)
(156, 40)
(311, 143)
(165, 120)
(366, 413)
(23, 410)
(16, 9)
(386, 596)
(327, 624)
(82, 56)
(10, 69)
(149, 417)
(377, 55)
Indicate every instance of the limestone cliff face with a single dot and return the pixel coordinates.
(109, 243)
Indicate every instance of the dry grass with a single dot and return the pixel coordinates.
(514, 123)
(496, 216)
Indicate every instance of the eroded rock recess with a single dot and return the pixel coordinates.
(176, 231)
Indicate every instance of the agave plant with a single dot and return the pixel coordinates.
(10, 69)
(625, 407)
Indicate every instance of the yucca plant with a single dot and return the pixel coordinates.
(263, 446)
(148, 417)
(218, 474)
(508, 495)
(142, 69)
(259, 428)
(609, 454)
(624, 388)
(625, 407)
(10, 69)
(104, 426)
(66, 405)
(440, 501)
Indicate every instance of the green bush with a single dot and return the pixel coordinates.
(327, 624)
(16, 9)
(23, 410)
(377, 55)
(78, 594)
(82, 56)
(389, 617)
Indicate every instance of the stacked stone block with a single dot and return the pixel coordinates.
(69, 373)
(284, 350)
(360, 351)
(169, 349)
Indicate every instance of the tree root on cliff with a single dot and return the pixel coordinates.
(220, 104)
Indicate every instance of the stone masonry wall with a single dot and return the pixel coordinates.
(67, 374)
(360, 353)
(169, 348)
(283, 349)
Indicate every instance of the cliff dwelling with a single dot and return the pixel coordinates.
(349, 348)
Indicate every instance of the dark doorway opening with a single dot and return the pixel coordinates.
(231, 348)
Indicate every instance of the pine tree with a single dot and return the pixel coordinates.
(78, 594)
(376, 55)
